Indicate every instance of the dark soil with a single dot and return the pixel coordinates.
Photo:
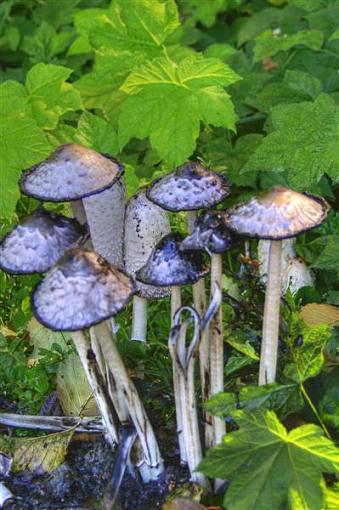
(80, 482)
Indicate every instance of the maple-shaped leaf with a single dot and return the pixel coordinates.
(95, 132)
(270, 42)
(50, 95)
(23, 143)
(127, 25)
(270, 468)
(168, 101)
(302, 141)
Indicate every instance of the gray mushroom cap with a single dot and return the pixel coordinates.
(145, 225)
(211, 233)
(38, 242)
(168, 265)
(70, 173)
(278, 213)
(81, 290)
(189, 187)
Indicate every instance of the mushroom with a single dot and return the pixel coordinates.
(276, 214)
(188, 188)
(82, 290)
(211, 234)
(38, 242)
(145, 225)
(168, 266)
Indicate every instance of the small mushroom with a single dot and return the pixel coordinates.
(38, 242)
(145, 225)
(168, 266)
(188, 188)
(277, 214)
(212, 234)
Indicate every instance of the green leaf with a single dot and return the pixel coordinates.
(127, 25)
(237, 339)
(309, 5)
(45, 43)
(219, 50)
(332, 497)
(168, 102)
(302, 142)
(23, 143)
(270, 42)
(284, 399)
(97, 133)
(269, 466)
(335, 35)
(328, 258)
(10, 38)
(236, 363)
(204, 11)
(50, 95)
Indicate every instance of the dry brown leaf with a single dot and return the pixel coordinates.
(314, 314)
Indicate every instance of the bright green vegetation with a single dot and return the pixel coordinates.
(250, 88)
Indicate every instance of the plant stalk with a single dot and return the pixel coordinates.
(217, 348)
(270, 332)
(90, 424)
(139, 319)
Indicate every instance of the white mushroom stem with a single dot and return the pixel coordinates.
(184, 362)
(217, 348)
(177, 376)
(269, 345)
(151, 452)
(139, 319)
(97, 384)
(199, 300)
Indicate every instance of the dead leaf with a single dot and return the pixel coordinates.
(314, 314)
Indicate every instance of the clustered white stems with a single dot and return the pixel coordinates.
(199, 300)
(269, 346)
(184, 360)
(216, 349)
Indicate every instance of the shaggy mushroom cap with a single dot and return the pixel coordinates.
(145, 225)
(38, 242)
(278, 213)
(211, 233)
(189, 187)
(70, 173)
(168, 265)
(81, 290)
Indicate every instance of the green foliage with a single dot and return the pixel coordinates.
(270, 467)
(268, 43)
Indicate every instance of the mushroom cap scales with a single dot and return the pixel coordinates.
(38, 242)
(70, 173)
(276, 214)
(189, 187)
(168, 265)
(81, 290)
(211, 233)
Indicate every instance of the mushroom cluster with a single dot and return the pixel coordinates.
(114, 252)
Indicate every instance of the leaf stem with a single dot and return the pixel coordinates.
(314, 409)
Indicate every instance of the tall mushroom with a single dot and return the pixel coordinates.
(80, 291)
(168, 266)
(211, 234)
(276, 214)
(188, 188)
(145, 225)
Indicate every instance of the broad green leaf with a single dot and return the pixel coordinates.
(284, 399)
(205, 11)
(332, 497)
(168, 102)
(131, 180)
(271, 42)
(10, 38)
(45, 43)
(335, 35)
(328, 258)
(329, 407)
(236, 363)
(302, 142)
(237, 339)
(270, 467)
(137, 27)
(23, 143)
(307, 359)
(55, 13)
(325, 19)
(97, 133)
(41, 454)
(50, 95)
(219, 50)
(309, 5)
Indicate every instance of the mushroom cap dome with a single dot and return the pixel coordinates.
(38, 242)
(211, 233)
(81, 290)
(190, 187)
(168, 265)
(278, 213)
(70, 173)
